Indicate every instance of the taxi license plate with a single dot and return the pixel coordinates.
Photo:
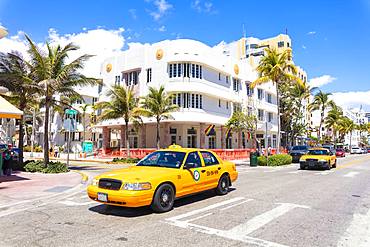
(102, 197)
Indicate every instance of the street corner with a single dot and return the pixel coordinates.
(23, 186)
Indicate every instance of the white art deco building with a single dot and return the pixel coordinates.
(209, 83)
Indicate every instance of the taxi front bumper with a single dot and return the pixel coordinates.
(122, 197)
(313, 164)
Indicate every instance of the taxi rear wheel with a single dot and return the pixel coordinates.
(335, 164)
(163, 199)
(223, 185)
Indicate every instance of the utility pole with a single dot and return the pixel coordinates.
(33, 130)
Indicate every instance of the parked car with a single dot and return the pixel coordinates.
(356, 150)
(364, 150)
(340, 152)
(297, 151)
(368, 150)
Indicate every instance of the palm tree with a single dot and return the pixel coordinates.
(321, 102)
(57, 77)
(16, 76)
(346, 126)
(277, 68)
(158, 104)
(332, 120)
(84, 109)
(297, 94)
(122, 104)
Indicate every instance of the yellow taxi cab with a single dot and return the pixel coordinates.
(318, 158)
(162, 176)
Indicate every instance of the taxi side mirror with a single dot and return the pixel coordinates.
(189, 166)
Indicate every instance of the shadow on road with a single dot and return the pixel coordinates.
(12, 178)
(142, 211)
(93, 168)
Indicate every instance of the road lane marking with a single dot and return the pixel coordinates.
(351, 175)
(71, 203)
(237, 204)
(263, 219)
(201, 210)
(238, 233)
(358, 232)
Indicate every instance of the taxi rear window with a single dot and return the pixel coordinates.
(318, 152)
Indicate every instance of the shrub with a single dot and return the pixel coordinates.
(279, 160)
(36, 149)
(38, 166)
(126, 160)
(262, 161)
(34, 166)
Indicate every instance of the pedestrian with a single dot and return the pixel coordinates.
(56, 152)
(51, 151)
(269, 151)
(7, 159)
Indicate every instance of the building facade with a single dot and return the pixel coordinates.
(209, 84)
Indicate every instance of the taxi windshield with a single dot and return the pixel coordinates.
(169, 159)
(318, 152)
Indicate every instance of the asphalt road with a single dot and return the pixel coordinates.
(266, 207)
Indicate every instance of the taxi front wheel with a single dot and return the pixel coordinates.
(223, 185)
(163, 199)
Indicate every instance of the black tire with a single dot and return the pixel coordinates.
(163, 198)
(302, 167)
(328, 167)
(223, 185)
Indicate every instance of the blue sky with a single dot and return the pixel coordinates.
(329, 37)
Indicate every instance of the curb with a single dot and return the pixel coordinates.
(84, 179)
(90, 161)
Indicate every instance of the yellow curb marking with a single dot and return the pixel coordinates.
(352, 163)
(84, 176)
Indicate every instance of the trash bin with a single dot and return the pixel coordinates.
(253, 159)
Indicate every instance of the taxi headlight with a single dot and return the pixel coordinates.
(137, 186)
(95, 182)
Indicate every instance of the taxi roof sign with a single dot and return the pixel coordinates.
(174, 146)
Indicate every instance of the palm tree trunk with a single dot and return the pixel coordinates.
(46, 132)
(321, 120)
(84, 126)
(127, 140)
(278, 119)
(158, 136)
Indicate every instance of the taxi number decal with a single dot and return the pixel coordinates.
(210, 173)
(196, 175)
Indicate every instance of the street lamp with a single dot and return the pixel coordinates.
(3, 32)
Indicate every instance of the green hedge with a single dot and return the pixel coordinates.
(262, 161)
(279, 160)
(53, 167)
(126, 160)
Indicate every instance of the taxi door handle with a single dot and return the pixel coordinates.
(203, 171)
(219, 168)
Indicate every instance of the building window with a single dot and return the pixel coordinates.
(227, 104)
(260, 115)
(192, 100)
(270, 117)
(236, 85)
(260, 94)
(193, 70)
(253, 46)
(179, 70)
(249, 90)
(131, 78)
(197, 71)
(269, 98)
(200, 72)
(281, 44)
(219, 103)
(200, 102)
(197, 101)
(288, 44)
(227, 79)
(94, 100)
(170, 71)
(219, 76)
(174, 70)
(179, 99)
(149, 75)
(212, 142)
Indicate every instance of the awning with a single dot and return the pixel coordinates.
(8, 110)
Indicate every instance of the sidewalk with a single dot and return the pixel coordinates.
(24, 186)
(63, 157)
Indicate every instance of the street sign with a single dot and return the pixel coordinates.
(71, 112)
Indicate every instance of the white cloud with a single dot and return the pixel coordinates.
(304, 47)
(311, 33)
(321, 80)
(133, 13)
(352, 99)
(162, 28)
(206, 7)
(99, 42)
(162, 8)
